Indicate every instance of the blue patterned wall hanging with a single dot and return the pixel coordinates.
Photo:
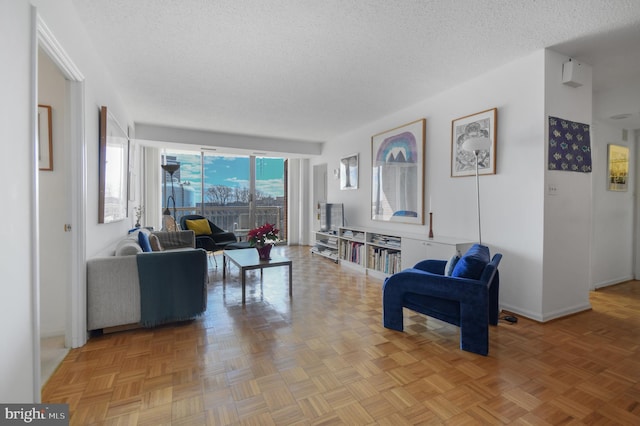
(569, 146)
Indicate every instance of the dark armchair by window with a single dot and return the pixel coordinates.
(208, 236)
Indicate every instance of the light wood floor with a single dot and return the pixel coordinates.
(324, 358)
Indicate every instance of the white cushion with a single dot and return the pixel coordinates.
(451, 263)
(128, 247)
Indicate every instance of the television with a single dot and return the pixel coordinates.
(331, 216)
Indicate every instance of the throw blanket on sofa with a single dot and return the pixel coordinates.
(174, 291)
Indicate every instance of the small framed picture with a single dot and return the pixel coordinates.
(45, 142)
(478, 127)
(349, 172)
(617, 167)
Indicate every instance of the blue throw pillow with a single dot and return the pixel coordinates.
(143, 240)
(472, 263)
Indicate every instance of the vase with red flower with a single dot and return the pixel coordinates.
(264, 252)
(263, 238)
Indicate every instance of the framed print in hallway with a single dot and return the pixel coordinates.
(617, 167)
(45, 139)
(397, 174)
(478, 125)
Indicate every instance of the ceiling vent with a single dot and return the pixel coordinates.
(620, 116)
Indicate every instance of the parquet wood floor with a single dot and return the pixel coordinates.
(323, 357)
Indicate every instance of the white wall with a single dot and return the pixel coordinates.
(546, 240)
(16, 262)
(567, 215)
(17, 109)
(613, 238)
(511, 200)
(63, 21)
(55, 244)
(613, 241)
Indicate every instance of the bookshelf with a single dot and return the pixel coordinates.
(326, 245)
(352, 247)
(384, 253)
(381, 253)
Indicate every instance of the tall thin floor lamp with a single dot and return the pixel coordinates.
(476, 145)
(171, 169)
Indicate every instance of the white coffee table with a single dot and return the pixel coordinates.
(247, 259)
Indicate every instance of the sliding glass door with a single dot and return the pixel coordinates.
(270, 193)
(237, 193)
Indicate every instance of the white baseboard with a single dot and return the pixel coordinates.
(613, 282)
(523, 312)
(547, 316)
(55, 333)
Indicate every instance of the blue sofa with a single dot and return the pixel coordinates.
(462, 292)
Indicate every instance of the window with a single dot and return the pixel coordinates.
(235, 192)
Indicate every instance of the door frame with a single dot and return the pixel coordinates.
(75, 329)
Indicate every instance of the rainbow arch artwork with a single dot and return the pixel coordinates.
(400, 148)
(397, 175)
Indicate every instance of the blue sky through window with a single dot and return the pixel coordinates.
(231, 171)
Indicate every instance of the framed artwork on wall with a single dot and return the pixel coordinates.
(45, 139)
(113, 169)
(569, 146)
(349, 172)
(481, 125)
(617, 167)
(397, 174)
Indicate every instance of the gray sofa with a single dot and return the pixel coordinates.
(147, 288)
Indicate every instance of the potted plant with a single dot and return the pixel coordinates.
(139, 210)
(263, 238)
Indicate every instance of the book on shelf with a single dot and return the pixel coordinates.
(325, 251)
(384, 260)
(352, 251)
(331, 241)
(353, 235)
(386, 240)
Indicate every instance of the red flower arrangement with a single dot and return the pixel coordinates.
(266, 234)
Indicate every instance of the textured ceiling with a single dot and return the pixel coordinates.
(310, 70)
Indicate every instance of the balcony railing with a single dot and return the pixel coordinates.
(236, 218)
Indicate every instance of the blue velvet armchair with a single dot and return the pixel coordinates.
(467, 298)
